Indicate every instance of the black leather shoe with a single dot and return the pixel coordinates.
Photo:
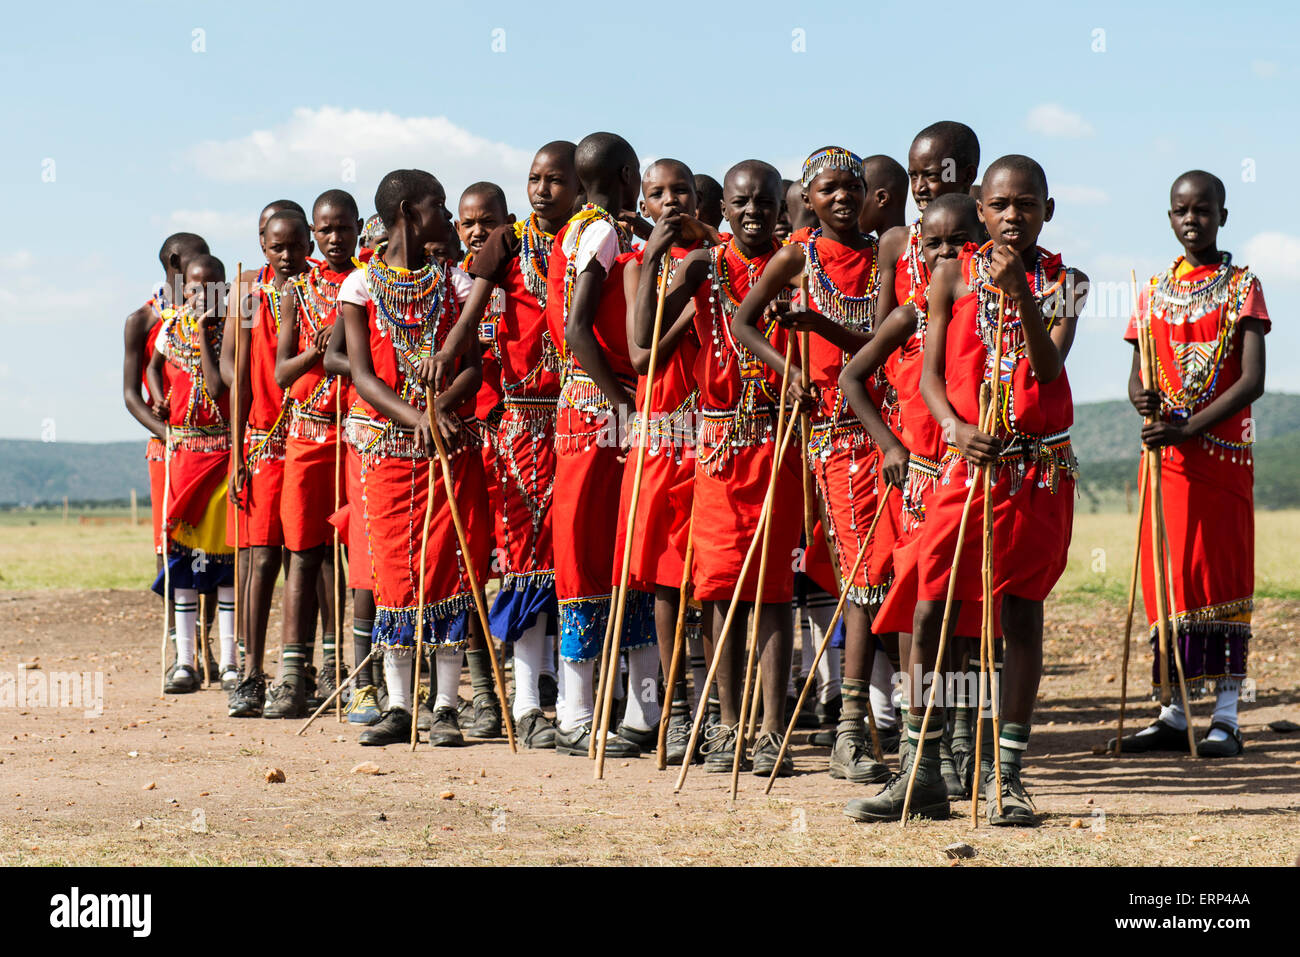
(1229, 748)
(1165, 737)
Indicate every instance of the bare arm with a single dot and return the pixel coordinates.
(669, 336)
(946, 287)
(134, 335)
(290, 365)
(210, 361)
(580, 337)
(890, 249)
(891, 334)
(336, 354)
(160, 409)
(464, 333)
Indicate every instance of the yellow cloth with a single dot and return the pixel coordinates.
(210, 535)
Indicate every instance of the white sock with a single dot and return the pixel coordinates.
(817, 615)
(1225, 710)
(548, 652)
(579, 695)
(882, 689)
(643, 707)
(1172, 715)
(530, 656)
(397, 675)
(447, 662)
(187, 616)
(699, 668)
(226, 627)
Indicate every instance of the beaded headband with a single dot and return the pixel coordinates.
(374, 228)
(833, 157)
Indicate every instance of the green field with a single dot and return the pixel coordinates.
(99, 548)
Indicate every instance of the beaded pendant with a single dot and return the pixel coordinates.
(534, 254)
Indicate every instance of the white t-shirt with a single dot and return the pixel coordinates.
(599, 242)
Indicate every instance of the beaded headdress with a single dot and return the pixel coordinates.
(374, 228)
(832, 157)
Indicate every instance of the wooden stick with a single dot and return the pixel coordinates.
(167, 564)
(234, 452)
(1143, 474)
(994, 418)
(679, 649)
(721, 640)
(1177, 649)
(338, 557)
(976, 781)
(643, 440)
(470, 574)
(987, 416)
(823, 645)
(419, 617)
(202, 648)
(1146, 348)
(765, 530)
(338, 692)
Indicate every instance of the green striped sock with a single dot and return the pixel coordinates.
(927, 771)
(291, 661)
(1012, 742)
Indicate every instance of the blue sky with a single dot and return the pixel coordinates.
(123, 125)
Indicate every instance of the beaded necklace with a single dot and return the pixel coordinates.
(181, 346)
(1050, 297)
(917, 273)
(1178, 302)
(534, 253)
(317, 296)
(405, 302)
(854, 312)
(584, 218)
(723, 303)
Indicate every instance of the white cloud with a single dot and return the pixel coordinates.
(331, 146)
(17, 260)
(1273, 255)
(216, 226)
(1265, 69)
(1080, 195)
(1052, 119)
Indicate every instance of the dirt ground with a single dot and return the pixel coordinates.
(174, 781)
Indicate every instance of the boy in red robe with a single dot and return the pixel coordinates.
(1208, 321)
(587, 320)
(191, 399)
(735, 451)
(397, 312)
(258, 434)
(911, 442)
(1033, 470)
(841, 265)
(307, 317)
(511, 264)
(664, 506)
(140, 332)
(885, 207)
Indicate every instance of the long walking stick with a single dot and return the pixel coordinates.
(988, 422)
(610, 663)
(419, 616)
(765, 530)
(679, 647)
(338, 691)
(338, 596)
(1146, 348)
(1143, 475)
(721, 640)
(824, 644)
(1175, 643)
(235, 452)
(479, 603)
(167, 565)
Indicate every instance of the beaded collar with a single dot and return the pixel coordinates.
(408, 303)
(534, 253)
(1050, 296)
(317, 298)
(855, 312)
(917, 273)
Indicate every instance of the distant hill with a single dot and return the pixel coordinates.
(37, 473)
(1105, 438)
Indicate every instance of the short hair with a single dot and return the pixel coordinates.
(758, 168)
(961, 205)
(491, 191)
(210, 262)
(399, 186)
(183, 245)
(885, 171)
(290, 216)
(706, 185)
(1200, 175)
(676, 163)
(963, 144)
(339, 199)
(281, 205)
(599, 156)
(1018, 163)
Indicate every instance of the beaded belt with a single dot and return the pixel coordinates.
(721, 431)
(1052, 454)
(208, 438)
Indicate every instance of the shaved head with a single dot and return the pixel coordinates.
(600, 156)
(959, 140)
(960, 206)
(1201, 180)
(184, 246)
(488, 193)
(885, 172)
(1020, 165)
(676, 165)
(759, 170)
